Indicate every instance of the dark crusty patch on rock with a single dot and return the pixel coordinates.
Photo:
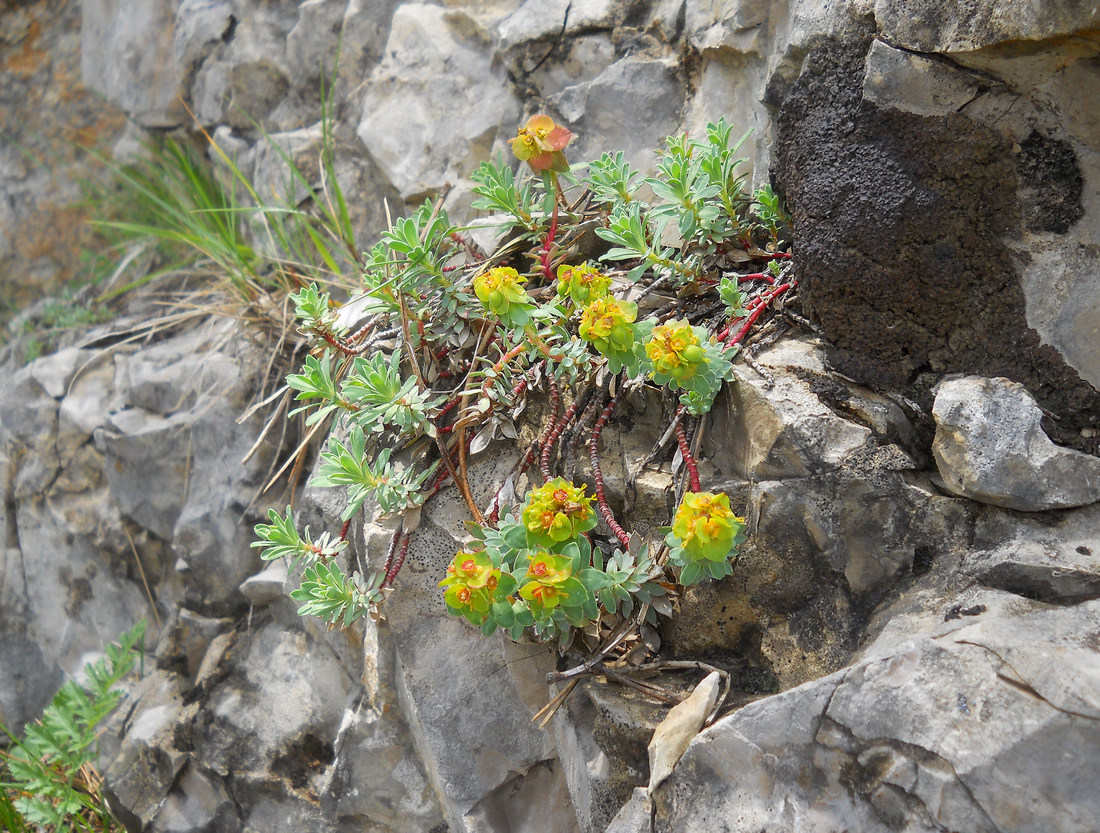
(898, 226)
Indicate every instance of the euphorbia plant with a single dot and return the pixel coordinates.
(455, 342)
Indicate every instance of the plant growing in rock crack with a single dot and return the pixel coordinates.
(455, 342)
(50, 777)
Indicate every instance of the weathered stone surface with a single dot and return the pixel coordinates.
(435, 55)
(879, 198)
(124, 44)
(607, 122)
(799, 423)
(990, 446)
(148, 761)
(927, 26)
(1053, 560)
(945, 731)
(925, 87)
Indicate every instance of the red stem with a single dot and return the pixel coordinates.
(685, 452)
(395, 568)
(391, 551)
(548, 436)
(597, 473)
(756, 312)
(548, 243)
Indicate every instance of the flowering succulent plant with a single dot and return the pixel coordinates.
(703, 535)
(473, 584)
(548, 582)
(501, 292)
(582, 284)
(557, 512)
(676, 352)
(540, 143)
(686, 358)
(608, 324)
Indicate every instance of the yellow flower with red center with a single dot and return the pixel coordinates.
(705, 526)
(582, 283)
(557, 512)
(471, 584)
(546, 583)
(540, 143)
(675, 350)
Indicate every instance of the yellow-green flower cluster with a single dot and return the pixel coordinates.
(675, 351)
(582, 284)
(606, 323)
(556, 512)
(705, 527)
(501, 291)
(472, 582)
(546, 583)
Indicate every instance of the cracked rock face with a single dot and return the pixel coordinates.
(975, 725)
(903, 656)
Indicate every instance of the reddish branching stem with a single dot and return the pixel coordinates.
(548, 244)
(757, 311)
(391, 551)
(546, 447)
(395, 567)
(546, 441)
(344, 530)
(685, 452)
(597, 473)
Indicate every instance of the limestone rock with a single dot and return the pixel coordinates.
(956, 729)
(1056, 561)
(606, 121)
(927, 26)
(435, 55)
(125, 54)
(991, 447)
(915, 84)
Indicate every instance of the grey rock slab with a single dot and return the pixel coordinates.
(983, 728)
(768, 428)
(602, 732)
(77, 597)
(278, 695)
(126, 53)
(245, 78)
(28, 434)
(931, 26)
(148, 761)
(266, 586)
(55, 371)
(29, 680)
(606, 121)
(185, 641)
(924, 86)
(1051, 559)
(435, 55)
(87, 402)
(144, 449)
(636, 816)
(532, 802)
(198, 801)
(990, 446)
